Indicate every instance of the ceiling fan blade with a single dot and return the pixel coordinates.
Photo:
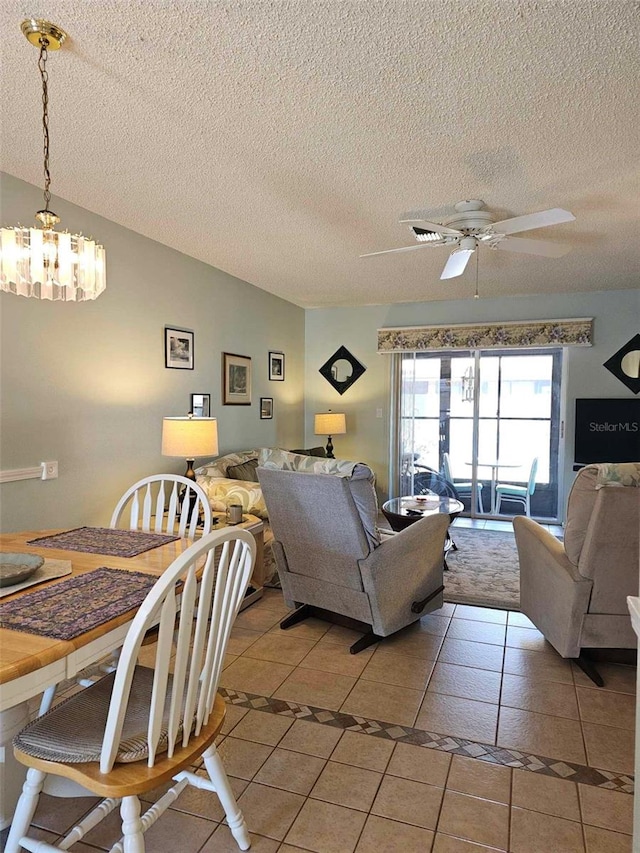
(401, 249)
(456, 265)
(532, 220)
(432, 226)
(534, 247)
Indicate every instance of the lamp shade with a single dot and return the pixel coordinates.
(189, 437)
(330, 423)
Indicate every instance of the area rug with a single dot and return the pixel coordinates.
(484, 570)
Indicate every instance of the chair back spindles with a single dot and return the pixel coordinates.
(214, 596)
(165, 503)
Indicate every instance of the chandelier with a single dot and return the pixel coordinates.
(41, 262)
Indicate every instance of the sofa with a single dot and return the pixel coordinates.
(232, 479)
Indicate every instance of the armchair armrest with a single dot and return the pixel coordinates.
(404, 568)
(536, 543)
(553, 593)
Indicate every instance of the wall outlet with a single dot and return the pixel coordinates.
(49, 470)
(378, 413)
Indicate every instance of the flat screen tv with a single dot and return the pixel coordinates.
(607, 431)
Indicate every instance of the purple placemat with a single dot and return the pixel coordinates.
(104, 540)
(75, 606)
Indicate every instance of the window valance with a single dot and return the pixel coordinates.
(511, 335)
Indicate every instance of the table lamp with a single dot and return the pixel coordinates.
(330, 423)
(189, 437)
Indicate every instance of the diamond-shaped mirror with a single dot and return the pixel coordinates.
(342, 370)
(625, 364)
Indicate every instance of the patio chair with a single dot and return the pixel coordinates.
(464, 489)
(518, 494)
(138, 728)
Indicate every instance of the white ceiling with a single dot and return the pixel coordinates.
(280, 139)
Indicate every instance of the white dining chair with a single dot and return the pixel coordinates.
(463, 488)
(161, 503)
(519, 494)
(138, 728)
(164, 503)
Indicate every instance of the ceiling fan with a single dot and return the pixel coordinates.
(472, 225)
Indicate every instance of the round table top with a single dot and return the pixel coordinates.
(416, 506)
(496, 464)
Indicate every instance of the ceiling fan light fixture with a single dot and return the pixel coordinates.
(41, 262)
(467, 244)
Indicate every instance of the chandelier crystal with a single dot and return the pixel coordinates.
(41, 262)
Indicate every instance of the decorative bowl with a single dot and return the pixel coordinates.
(15, 568)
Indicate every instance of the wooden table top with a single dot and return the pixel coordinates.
(22, 653)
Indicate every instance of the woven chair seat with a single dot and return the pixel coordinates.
(72, 732)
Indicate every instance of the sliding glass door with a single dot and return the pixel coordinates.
(481, 418)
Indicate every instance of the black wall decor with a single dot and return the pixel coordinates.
(342, 370)
(625, 364)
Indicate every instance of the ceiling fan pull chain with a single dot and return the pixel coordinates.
(476, 294)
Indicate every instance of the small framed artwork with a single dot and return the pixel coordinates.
(266, 408)
(201, 405)
(236, 379)
(178, 348)
(276, 366)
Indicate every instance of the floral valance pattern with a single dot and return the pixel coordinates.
(532, 333)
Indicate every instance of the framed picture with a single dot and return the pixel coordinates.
(276, 366)
(178, 348)
(200, 405)
(266, 408)
(236, 379)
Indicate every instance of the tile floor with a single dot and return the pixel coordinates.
(326, 750)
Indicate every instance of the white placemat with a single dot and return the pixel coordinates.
(49, 570)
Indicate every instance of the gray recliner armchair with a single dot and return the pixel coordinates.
(575, 593)
(332, 560)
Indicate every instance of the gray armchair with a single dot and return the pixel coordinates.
(575, 593)
(334, 563)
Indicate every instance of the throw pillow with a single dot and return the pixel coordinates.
(218, 467)
(276, 457)
(244, 471)
(618, 474)
(312, 451)
(223, 491)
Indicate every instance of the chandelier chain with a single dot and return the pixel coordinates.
(42, 65)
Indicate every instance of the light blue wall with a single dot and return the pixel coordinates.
(86, 384)
(616, 319)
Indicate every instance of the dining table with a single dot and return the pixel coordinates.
(30, 663)
(495, 465)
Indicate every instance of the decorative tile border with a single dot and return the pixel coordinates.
(444, 743)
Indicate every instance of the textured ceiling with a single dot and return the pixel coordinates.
(280, 140)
